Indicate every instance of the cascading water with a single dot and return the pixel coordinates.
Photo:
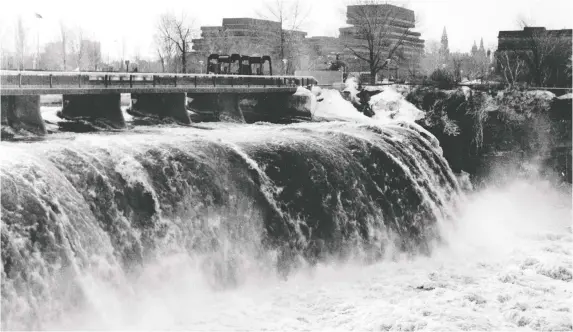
(136, 230)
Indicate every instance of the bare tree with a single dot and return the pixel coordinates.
(430, 60)
(179, 32)
(64, 40)
(94, 55)
(290, 16)
(376, 37)
(77, 46)
(165, 49)
(21, 38)
(544, 53)
(511, 67)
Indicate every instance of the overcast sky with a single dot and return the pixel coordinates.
(132, 21)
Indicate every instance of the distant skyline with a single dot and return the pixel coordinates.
(113, 22)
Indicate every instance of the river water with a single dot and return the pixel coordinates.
(345, 224)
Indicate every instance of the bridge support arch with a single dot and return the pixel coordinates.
(23, 113)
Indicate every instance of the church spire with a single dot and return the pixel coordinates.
(445, 38)
(444, 48)
(481, 48)
(474, 48)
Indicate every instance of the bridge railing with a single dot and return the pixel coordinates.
(103, 80)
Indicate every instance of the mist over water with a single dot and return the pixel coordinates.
(348, 224)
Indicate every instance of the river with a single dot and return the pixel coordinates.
(344, 224)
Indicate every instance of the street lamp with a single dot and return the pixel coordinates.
(37, 61)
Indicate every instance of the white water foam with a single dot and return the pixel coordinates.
(506, 265)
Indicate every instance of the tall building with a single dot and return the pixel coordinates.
(395, 25)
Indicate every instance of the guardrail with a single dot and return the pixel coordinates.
(473, 85)
(114, 80)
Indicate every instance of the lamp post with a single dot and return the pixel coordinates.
(37, 60)
(201, 64)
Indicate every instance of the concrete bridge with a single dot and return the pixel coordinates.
(95, 96)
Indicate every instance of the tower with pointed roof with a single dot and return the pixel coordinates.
(444, 48)
(474, 49)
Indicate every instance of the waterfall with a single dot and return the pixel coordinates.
(89, 212)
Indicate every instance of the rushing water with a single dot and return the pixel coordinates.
(348, 224)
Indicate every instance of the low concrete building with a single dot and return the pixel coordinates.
(251, 36)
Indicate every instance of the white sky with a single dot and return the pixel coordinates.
(111, 21)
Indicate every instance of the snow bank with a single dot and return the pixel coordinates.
(566, 96)
(391, 105)
(335, 108)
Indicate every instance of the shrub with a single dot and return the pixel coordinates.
(443, 78)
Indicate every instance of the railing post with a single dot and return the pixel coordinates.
(153, 80)
(20, 80)
(195, 80)
(131, 81)
(80, 80)
(214, 81)
(175, 80)
(231, 81)
(50, 80)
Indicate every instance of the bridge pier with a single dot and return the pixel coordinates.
(23, 112)
(105, 108)
(249, 108)
(162, 105)
(278, 107)
(217, 106)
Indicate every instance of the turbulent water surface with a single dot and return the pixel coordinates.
(347, 224)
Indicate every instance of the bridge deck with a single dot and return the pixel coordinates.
(38, 83)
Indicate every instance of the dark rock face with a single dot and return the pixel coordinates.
(479, 130)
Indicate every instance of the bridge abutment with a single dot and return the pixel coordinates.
(161, 105)
(23, 113)
(94, 108)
